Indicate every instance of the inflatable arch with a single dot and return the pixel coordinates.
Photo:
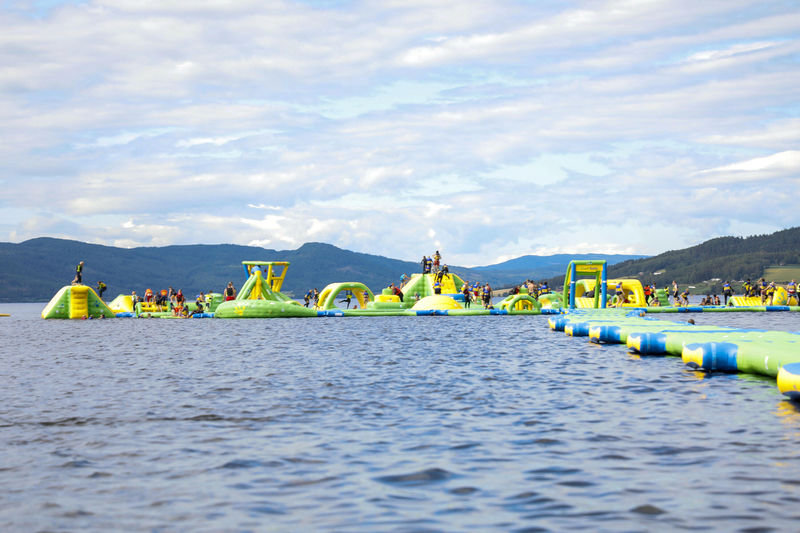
(596, 268)
(327, 298)
(632, 290)
(520, 302)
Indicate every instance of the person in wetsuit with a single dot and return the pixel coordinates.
(467, 295)
(727, 291)
(487, 296)
(346, 299)
(747, 287)
(685, 297)
(78, 274)
(762, 289)
(769, 292)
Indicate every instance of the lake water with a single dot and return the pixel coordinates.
(381, 424)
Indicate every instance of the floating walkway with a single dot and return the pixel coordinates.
(708, 348)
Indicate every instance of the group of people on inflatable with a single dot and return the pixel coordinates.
(535, 289)
(431, 265)
(767, 290)
(175, 301)
(166, 300)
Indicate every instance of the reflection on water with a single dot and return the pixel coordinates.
(381, 424)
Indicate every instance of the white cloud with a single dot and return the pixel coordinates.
(370, 125)
(712, 55)
(783, 164)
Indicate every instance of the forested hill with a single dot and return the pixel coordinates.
(34, 270)
(732, 258)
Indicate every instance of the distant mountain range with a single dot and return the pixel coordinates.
(546, 266)
(34, 270)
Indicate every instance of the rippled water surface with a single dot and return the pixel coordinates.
(381, 424)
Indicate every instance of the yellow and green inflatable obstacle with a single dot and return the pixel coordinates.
(520, 302)
(709, 348)
(260, 296)
(76, 302)
(423, 285)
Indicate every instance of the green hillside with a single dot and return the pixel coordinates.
(34, 270)
(731, 258)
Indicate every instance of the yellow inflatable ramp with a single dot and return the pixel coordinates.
(746, 301)
(79, 301)
(448, 284)
(76, 301)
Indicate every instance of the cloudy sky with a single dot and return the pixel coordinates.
(486, 129)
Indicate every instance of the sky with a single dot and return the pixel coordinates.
(485, 129)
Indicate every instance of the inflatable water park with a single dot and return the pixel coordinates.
(421, 294)
(606, 311)
(441, 293)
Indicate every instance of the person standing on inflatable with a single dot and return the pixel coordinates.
(685, 297)
(487, 296)
(791, 291)
(619, 294)
(436, 259)
(78, 274)
(727, 291)
(101, 288)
